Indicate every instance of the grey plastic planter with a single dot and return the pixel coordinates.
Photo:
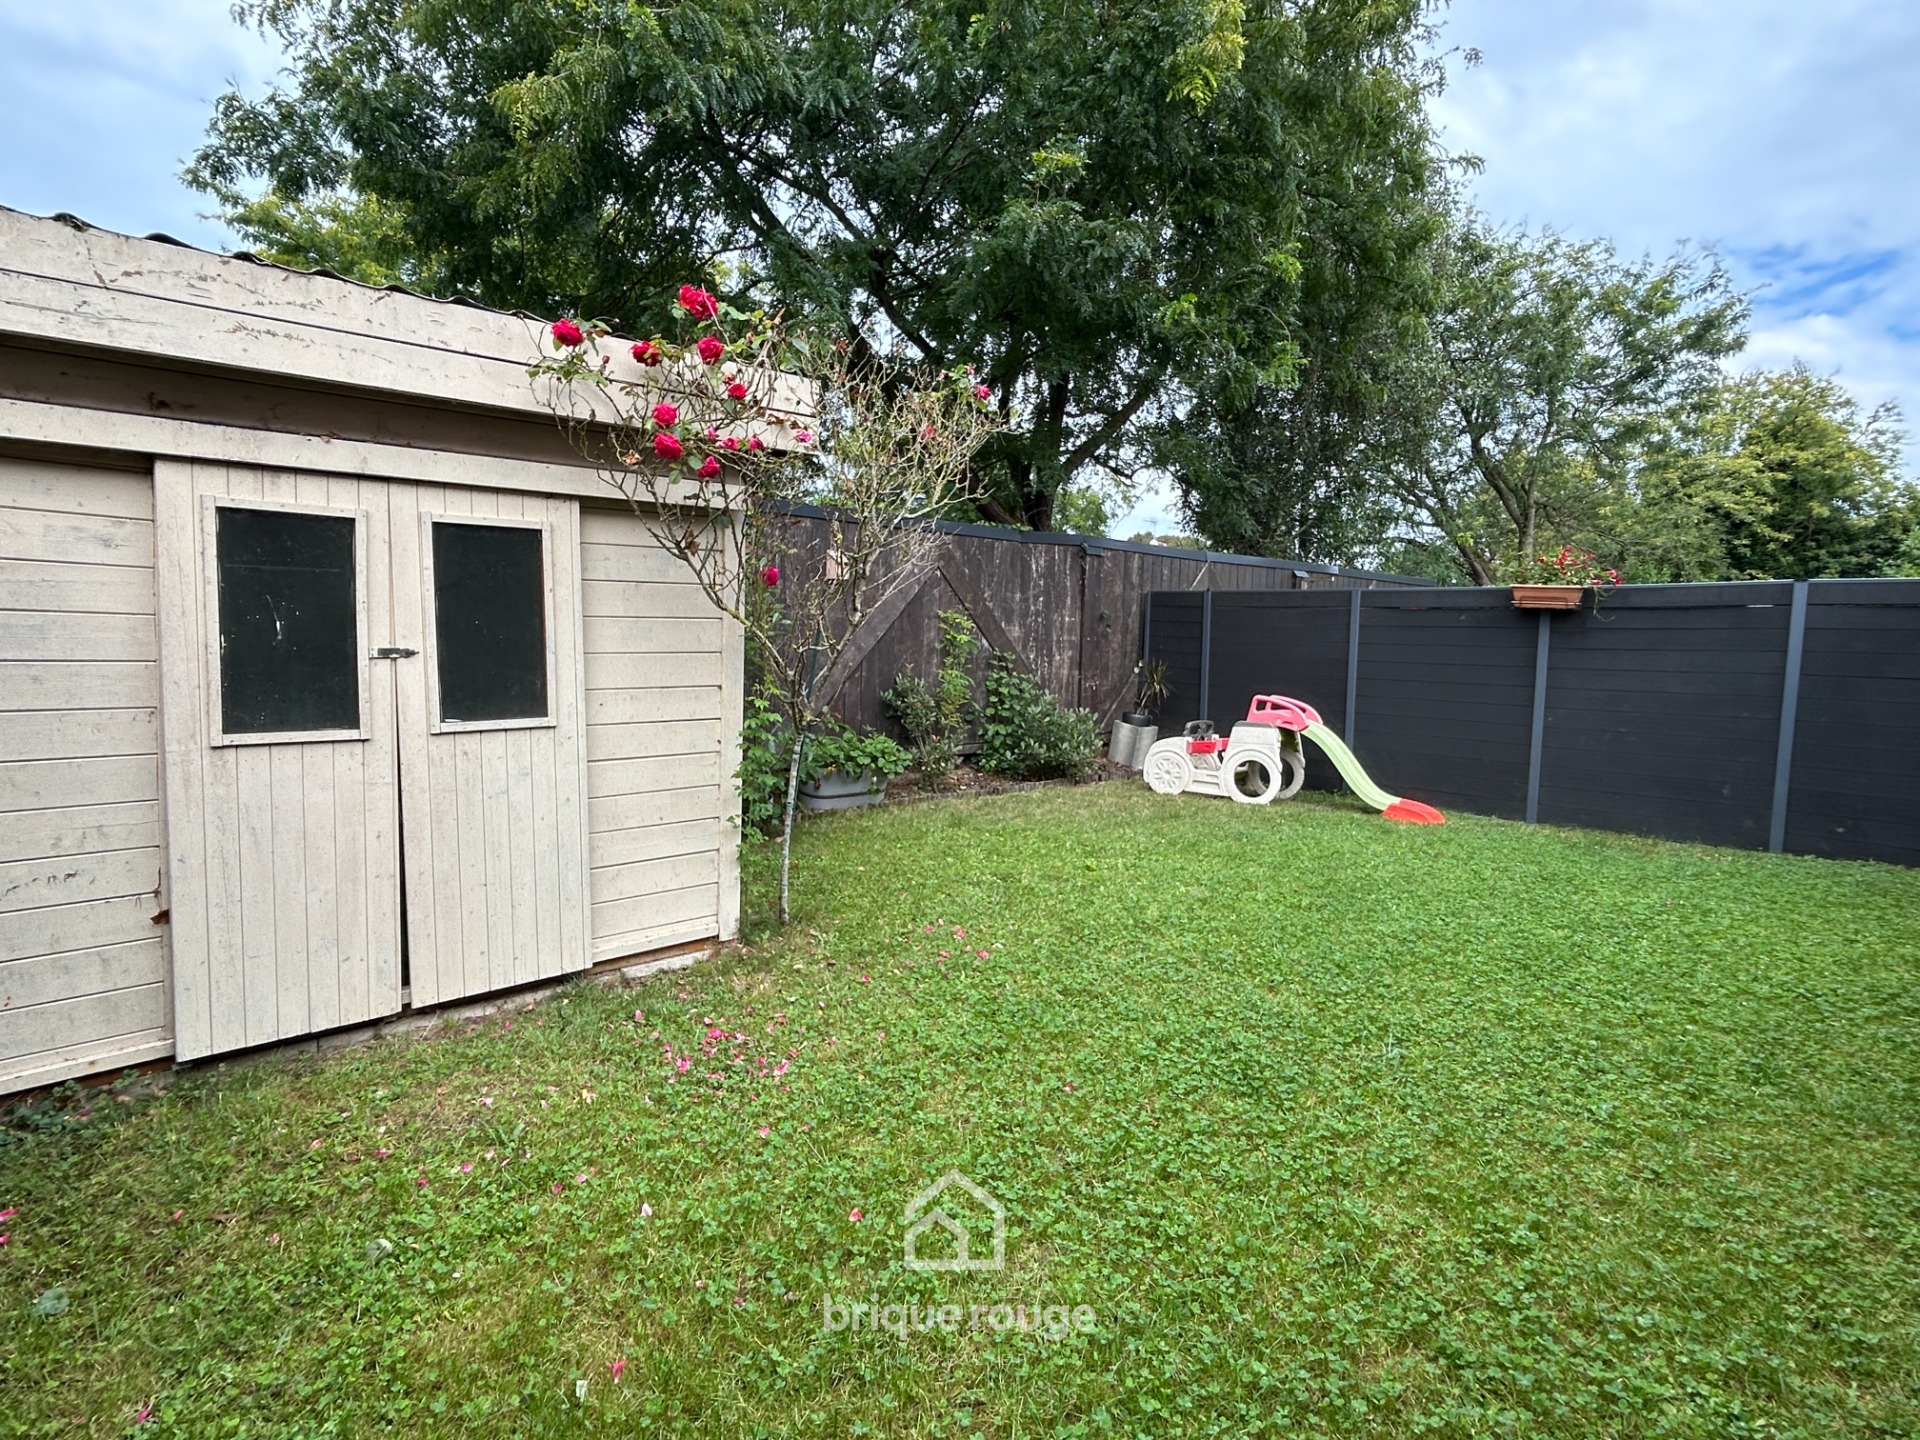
(834, 791)
(1131, 737)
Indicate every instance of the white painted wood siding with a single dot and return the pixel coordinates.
(284, 857)
(83, 966)
(663, 726)
(495, 818)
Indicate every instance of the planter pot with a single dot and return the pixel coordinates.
(1548, 597)
(1131, 738)
(834, 791)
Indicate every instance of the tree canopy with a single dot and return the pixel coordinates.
(1110, 208)
(1785, 475)
(1519, 411)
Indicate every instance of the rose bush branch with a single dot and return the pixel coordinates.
(797, 481)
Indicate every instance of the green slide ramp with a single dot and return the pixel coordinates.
(1350, 770)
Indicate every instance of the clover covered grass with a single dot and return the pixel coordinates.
(1340, 1127)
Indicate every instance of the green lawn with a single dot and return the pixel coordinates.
(1336, 1126)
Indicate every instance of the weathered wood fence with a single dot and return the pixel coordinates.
(1068, 607)
(1776, 714)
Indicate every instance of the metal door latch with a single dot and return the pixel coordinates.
(394, 652)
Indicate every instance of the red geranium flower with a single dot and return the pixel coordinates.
(711, 349)
(698, 303)
(566, 334)
(667, 446)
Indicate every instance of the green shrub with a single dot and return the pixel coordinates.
(846, 751)
(762, 774)
(1027, 734)
(933, 716)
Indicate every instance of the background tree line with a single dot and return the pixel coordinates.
(1213, 239)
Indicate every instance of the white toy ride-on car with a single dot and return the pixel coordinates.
(1262, 761)
(1255, 764)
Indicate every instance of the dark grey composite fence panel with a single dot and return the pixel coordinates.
(1663, 715)
(1661, 712)
(1174, 627)
(1445, 701)
(1262, 646)
(1856, 758)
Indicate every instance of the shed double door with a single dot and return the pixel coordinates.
(372, 720)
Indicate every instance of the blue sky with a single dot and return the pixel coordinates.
(1782, 133)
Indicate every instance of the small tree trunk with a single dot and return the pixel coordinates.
(786, 827)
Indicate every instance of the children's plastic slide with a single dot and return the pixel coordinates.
(1261, 761)
(1361, 783)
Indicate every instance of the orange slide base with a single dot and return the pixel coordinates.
(1414, 813)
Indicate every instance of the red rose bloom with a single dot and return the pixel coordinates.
(756, 443)
(667, 446)
(665, 416)
(698, 303)
(981, 392)
(566, 334)
(736, 391)
(647, 353)
(709, 468)
(710, 349)
(770, 575)
(730, 443)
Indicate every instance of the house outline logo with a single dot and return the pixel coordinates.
(918, 1223)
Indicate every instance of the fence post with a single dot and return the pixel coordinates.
(1353, 660)
(1206, 648)
(1789, 712)
(1537, 745)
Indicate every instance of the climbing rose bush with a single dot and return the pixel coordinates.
(797, 480)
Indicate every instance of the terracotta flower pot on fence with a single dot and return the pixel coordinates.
(1547, 597)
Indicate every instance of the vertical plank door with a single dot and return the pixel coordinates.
(492, 738)
(279, 752)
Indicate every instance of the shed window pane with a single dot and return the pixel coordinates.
(490, 621)
(289, 632)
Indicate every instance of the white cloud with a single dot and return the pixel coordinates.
(1778, 132)
(103, 101)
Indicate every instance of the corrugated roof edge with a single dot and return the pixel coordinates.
(1095, 544)
(158, 237)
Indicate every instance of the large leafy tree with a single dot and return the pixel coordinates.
(1546, 371)
(1110, 206)
(1291, 466)
(1782, 475)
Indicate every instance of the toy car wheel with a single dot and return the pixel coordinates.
(1254, 779)
(1295, 764)
(1168, 772)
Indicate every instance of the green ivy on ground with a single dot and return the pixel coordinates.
(1339, 1127)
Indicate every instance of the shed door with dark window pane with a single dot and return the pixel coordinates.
(492, 739)
(282, 803)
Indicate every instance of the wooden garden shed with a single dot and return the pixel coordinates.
(332, 684)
